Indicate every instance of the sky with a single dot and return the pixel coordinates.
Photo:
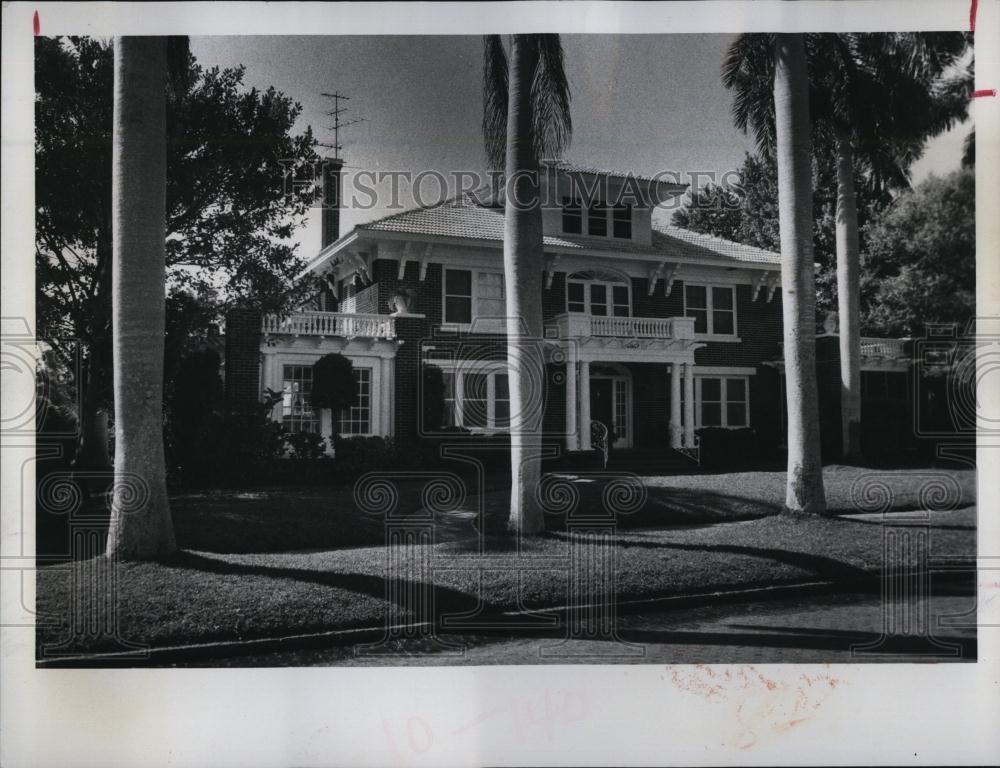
(641, 103)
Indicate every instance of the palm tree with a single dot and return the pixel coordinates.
(526, 117)
(875, 99)
(141, 527)
(804, 490)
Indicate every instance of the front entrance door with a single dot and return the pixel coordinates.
(609, 404)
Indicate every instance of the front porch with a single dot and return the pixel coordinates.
(600, 353)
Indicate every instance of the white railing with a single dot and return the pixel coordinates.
(889, 349)
(332, 324)
(577, 325)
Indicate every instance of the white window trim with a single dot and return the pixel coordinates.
(380, 420)
(711, 335)
(475, 272)
(586, 296)
(699, 377)
(373, 405)
(488, 368)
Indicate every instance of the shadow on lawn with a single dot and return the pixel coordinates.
(289, 521)
(445, 598)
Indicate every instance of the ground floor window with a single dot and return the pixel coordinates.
(357, 420)
(721, 401)
(296, 409)
(477, 400)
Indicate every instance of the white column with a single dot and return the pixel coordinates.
(676, 429)
(689, 405)
(385, 398)
(572, 441)
(584, 405)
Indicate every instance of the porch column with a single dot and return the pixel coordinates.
(676, 429)
(689, 405)
(584, 405)
(572, 441)
(385, 398)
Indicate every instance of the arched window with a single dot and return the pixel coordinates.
(599, 292)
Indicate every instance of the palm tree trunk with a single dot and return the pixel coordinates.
(804, 492)
(523, 262)
(141, 527)
(848, 300)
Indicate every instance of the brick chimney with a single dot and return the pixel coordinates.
(332, 167)
(242, 372)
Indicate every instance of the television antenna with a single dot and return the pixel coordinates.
(338, 123)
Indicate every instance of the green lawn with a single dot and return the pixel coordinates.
(695, 534)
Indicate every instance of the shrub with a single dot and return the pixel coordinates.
(305, 445)
(727, 447)
(333, 383)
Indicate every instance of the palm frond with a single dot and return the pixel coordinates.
(494, 100)
(552, 124)
(748, 71)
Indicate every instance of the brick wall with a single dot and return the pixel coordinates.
(242, 359)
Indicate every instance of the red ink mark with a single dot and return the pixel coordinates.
(973, 8)
(36, 25)
(984, 92)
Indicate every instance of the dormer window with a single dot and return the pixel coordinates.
(622, 224)
(572, 216)
(597, 219)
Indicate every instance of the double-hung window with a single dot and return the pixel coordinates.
(477, 400)
(357, 420)
(296, 407)
(472, 294)
(601, 299)
(621, 224)
(722, 401)
(713, 308)
(597, 219)
(458, 296)
(572, 216)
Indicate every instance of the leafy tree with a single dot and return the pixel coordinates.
(526, 117)
(919, 264)
(753, 215)
(229, 217)
(333, 386)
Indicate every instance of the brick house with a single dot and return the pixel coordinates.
(654, 332)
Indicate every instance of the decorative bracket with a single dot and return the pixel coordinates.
(655, 273)
(403, 258)
(331, 284)
(550, 269)
(425, 261)
(772, 286)
(669, 277)
(361, 266)
(758, 283)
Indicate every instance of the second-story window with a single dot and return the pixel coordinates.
(597, 293)
(713, 308)
(458, 296)
(572, 216)
(622, 221)
(472, 294)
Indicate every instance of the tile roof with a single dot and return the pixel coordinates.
(465, 218)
